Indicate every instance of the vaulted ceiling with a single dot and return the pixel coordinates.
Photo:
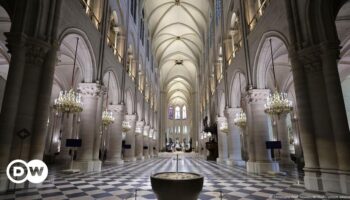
(177, 30)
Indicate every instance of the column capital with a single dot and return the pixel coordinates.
(221, 119)
(140, 123)
(231, 112)
(257, 96)
(130, 117)
(36, 51)
(116, 29)
(90, 89)
(118, 108)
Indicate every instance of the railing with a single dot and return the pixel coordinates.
(91, 14)
(258, 14)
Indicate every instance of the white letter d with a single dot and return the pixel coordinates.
(18, 171)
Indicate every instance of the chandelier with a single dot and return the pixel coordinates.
(126, 126)
(69, 101)
(224, 127)
(107, 118)
(240, 119)
(277, 103)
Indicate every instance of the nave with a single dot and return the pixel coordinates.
(121, 182)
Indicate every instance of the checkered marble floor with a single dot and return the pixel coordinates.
(121, 182)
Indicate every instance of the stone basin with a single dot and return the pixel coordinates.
(177, 185)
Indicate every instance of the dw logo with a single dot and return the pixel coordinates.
(18, 171)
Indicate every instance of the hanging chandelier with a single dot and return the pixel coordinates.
(277, 103)
(224, 127)
(240, 119)
(69, 101)
(126, 126)
(107, 118)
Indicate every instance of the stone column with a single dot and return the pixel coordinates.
(116, 31)
(282, 135)
(37, 145)
(244, 142)
(222, 142)
(150, 142)
(27, 116)
(67, 128)
(139, 140)
(258, 133)
(307, 129)
(99, 132)
(56, 127)
(121, 44)
(85, 161)
(339, 123)
(145, 142)
(114, 151)
(16, 44)
(129, 154)
(234, 138)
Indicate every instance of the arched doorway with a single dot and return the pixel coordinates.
(74, 50)
(5, 57)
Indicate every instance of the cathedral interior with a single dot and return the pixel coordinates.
(252, 97)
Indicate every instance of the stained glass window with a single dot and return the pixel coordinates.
(171, 112)
(177, 112)
(184, 112)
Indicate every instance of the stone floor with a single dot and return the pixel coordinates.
(121, 182)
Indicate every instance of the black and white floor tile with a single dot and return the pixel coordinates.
(121, 182)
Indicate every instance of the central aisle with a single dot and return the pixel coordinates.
(120, 182)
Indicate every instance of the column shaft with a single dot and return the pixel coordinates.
(90, 93)
(129, 152)
(139, 140)
(114, 151)
(234, 138)
(222, 142)
(259, 157)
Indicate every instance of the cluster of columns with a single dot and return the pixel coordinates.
(248, 144)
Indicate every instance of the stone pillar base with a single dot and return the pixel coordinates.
(131, 159)
(232, 162)
(4, 181)
(312, 179)
(87, 165)
(287, 163)
(221, 160)
(146, 157)
(327, 181)
(140, 158)
(115, 162)
(63, 161)
(262, 167)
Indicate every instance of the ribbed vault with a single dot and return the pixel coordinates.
(177, 30)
